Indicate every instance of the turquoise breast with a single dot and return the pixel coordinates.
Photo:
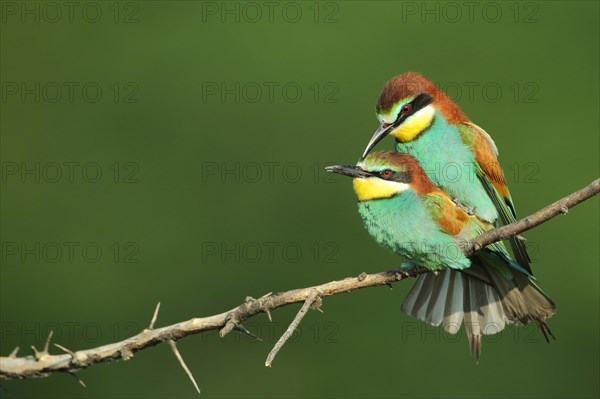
(451, 165)
(402, 225)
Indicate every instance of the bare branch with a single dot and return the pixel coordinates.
(182, 362)
(560, 207)
(292, 327)
(44, 364)
(29, 366)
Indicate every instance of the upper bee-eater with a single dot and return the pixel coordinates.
(406, 212)
(458, 156)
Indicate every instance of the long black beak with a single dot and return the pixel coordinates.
(348, 170)
(379, 134)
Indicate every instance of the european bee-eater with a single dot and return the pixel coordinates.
(458, 156)
(406, 212)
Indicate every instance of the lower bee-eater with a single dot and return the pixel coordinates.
(403, 210)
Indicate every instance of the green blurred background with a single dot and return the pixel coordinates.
(210, 124)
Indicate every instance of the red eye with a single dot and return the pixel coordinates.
(386, 173)
(406, 109)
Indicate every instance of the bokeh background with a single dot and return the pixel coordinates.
(173, 151)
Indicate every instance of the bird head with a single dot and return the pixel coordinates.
(385, 174)
(407, 106)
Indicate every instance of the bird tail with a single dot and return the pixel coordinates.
(484, 297)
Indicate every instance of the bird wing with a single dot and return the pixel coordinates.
(445, 212)
(454, 220)
(492, 178)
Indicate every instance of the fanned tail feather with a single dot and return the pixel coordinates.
(481, 298)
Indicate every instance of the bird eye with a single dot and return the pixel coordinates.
(386, 173)
(406, 109)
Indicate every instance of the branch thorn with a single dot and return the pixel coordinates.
(14, 352)
(36, 354)
(47, 344)
(154, 317)
(79, 380)
(243, 330)
(67, 351)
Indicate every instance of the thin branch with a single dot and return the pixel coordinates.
(45, 364)
(560, 207)
(292, 327)
(29, 366)
(182, 362)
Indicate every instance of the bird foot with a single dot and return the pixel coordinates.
(469, 209)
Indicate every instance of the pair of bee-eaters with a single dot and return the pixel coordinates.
(443, 185)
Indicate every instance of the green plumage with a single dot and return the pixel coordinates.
(421, 223)
(404, 224)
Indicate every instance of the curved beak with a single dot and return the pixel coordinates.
(348, 170)
(379, 134)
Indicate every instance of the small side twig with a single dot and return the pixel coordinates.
(292, 327)
(182, 362)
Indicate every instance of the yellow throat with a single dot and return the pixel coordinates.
(373, 188)
(414, 124)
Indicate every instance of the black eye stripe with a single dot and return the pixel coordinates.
(420, 102)
(400, 177)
